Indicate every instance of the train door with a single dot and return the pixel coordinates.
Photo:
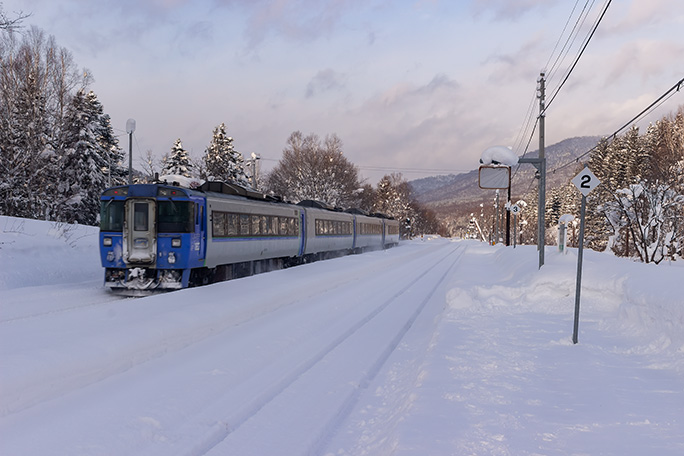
(302, 223)
(201, 229)
(140, 241)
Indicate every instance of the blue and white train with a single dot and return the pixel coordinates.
(165, 237)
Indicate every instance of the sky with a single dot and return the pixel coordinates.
(420, 87)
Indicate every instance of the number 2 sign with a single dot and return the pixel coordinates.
(586, 181)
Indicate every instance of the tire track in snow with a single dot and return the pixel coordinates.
(223, 429)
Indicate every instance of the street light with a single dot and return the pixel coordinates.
(130, 128)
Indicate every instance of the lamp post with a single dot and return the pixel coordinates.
(130, 128)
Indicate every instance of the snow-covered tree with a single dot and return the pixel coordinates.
(26, 158)
(641, 196)
(177, 162)
(89, 159)
(37, 82)
(222, 162)
(313, 170)
(392, 197)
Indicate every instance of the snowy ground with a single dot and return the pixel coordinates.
(432, 348)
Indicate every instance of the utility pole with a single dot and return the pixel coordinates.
(542, 171)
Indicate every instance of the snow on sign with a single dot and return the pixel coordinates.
(586, 181)
(494, 177)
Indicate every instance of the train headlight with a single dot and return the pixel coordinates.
(107, 241)
(110, 256)
(175, 242)
(172, 258)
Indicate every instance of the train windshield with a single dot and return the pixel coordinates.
(175, 217)
(111, 215)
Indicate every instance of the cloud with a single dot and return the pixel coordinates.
(508, 9)
(652, 12)
(645, 58)
(325, 81)
(409, 125)
(298, 20)
(523, 63)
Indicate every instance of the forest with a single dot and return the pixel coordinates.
(638, 209)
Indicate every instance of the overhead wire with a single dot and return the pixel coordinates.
(650, 108)
(561, 35)
(584, 47)
(530, 112)
(572, 37)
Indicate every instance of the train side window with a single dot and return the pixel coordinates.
(218, 224)
(232, 224)
(256, 225)
(244, 224)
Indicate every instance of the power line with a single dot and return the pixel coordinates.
(570, 36)
(399, 169)
(650, 108)
(530, 112)
(584, 47)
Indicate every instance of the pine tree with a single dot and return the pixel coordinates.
(222, 161)
(177, 162)
(87, 145)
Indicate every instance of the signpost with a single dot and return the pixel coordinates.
(515, 210)
(585, 182)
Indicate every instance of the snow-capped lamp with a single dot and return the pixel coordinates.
(495, 168)
(499, 155)
(495, 174)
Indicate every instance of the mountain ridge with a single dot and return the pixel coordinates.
(438, 190)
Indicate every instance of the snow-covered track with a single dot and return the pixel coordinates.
(29, 303)
(312, 376)
(300, 322)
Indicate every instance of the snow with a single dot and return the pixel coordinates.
(183, 181)
(435, 347)
(499, 155)
(566, 218)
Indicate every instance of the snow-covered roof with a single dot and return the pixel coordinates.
(182, 181)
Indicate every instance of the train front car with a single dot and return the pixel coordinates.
(151, 237)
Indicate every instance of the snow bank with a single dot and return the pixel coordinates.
(37, 253)
(644, 300)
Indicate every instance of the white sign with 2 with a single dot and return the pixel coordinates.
(586, 181)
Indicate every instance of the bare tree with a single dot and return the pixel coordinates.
(7, 23)
(313, 170)
(150, 166)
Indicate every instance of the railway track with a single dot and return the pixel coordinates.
(232, 368)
